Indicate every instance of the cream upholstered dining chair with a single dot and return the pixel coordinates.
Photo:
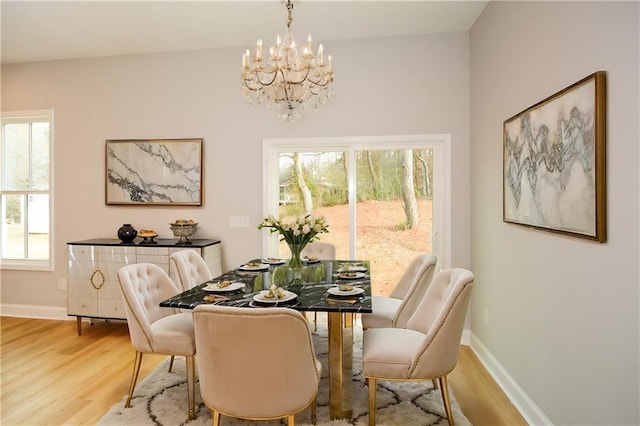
(154, 329)
(396, 309)
(191, 268)
(255, 364)
(322, 251)
(428, 348)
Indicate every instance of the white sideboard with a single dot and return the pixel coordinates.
(92, 282)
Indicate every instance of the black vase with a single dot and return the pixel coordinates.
(127, 233)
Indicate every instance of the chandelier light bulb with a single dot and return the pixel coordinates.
(259, 50)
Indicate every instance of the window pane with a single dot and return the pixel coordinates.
(16, 156)
(38, 226)
(394, 212)
(317, 179)
(13, 227)
(40, 153)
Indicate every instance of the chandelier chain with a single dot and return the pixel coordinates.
(289, 6)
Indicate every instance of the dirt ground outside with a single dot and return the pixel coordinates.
(380, 238)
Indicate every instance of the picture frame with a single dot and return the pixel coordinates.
(147, 172)
(554, 162)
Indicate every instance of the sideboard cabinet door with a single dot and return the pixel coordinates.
(93, 289)
(213, 256)
(156, 255)
(83, 281)
(110, 300)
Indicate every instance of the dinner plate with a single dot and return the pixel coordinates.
(213, 298)
(258, 267)
(353, 268)
(235, 285)
(351, 275)
(312, 260)
(289, 304)
(337, 292)
(273, 261)
(261, 299)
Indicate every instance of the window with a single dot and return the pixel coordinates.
(25, 190)
(386, 199)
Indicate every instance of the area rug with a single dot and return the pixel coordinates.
(161, 399)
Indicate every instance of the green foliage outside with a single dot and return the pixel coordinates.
(379, 176)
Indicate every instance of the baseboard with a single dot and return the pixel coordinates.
(466, 337)
(34, 311)
(528, 409)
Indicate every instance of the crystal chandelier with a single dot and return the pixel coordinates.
(287, 80)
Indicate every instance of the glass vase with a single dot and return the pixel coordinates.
(295, 263)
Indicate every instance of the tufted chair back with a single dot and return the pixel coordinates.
(255, 363)
(144, 286)
(440, 317)
(323, 251)
(412, 274)
(191, 268)
(422, 274)
(395, 310)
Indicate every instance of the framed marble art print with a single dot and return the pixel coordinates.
(554, 162)
(154, 172)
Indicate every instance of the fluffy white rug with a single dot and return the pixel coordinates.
(161, 399)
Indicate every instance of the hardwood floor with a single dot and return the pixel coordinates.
(480, 398)
(52, 376)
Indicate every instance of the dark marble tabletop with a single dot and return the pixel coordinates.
(311, 289)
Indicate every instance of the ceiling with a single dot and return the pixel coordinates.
(52, 30)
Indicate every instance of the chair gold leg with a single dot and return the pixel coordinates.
(291, 420)
(191, 386)
(134, 378)
(215, 416)
(314, 410)
(371, 383)
(445, 398)
(315, 320)
(171, 363)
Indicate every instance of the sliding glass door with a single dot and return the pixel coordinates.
(382, 197)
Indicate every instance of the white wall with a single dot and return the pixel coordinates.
(563, 312)
(411, 85)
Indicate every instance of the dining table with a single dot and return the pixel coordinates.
(341, 288)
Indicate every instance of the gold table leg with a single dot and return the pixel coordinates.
(340, 365)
